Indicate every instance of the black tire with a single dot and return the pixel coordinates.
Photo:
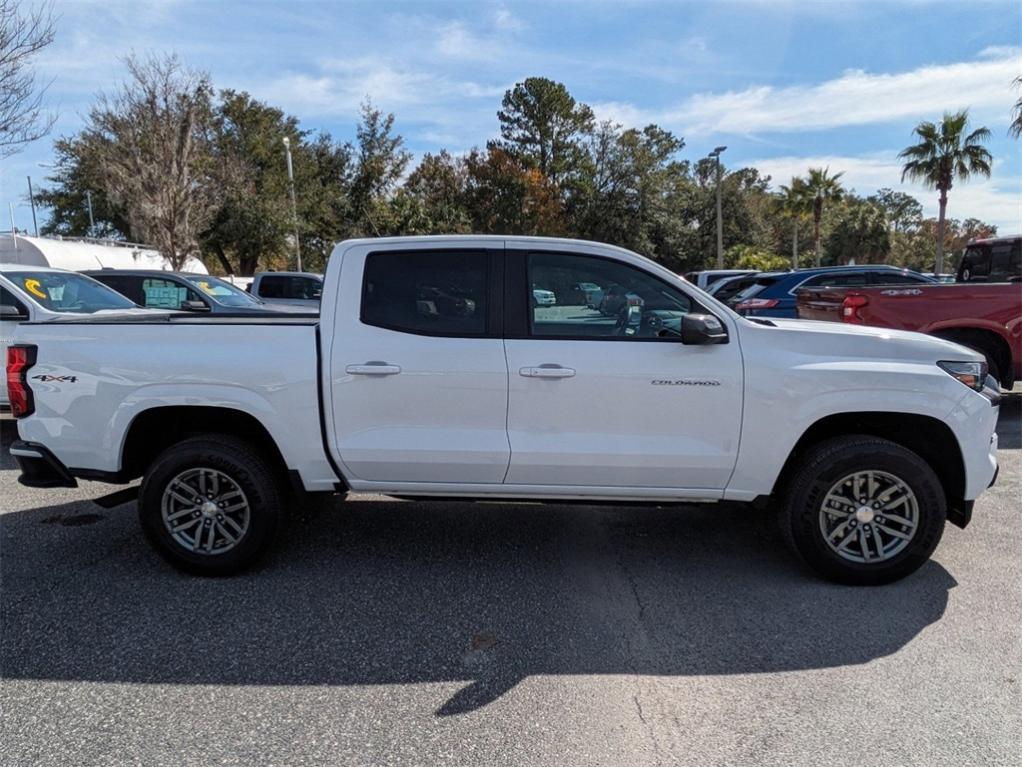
(826, 464)
(248, 469)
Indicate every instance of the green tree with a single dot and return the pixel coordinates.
(902, 210)
(946, 153)
(822, 189)
(380, 162)
(73, 182)
(432, 200)
(542, 126)
(796, 206)
(754, 257)
(859, 235)
(253, 227)
(632, 191)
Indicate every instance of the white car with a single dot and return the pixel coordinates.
(543, 297)
(866, 440)
(42, 294)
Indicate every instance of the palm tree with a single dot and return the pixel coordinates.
(946, 152)
(1016, 124)
(821, 188)
(795, 203)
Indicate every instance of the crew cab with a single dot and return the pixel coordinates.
(866, 441)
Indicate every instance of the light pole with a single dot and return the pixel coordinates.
(720, 221)
(294, 205)
(31, 199)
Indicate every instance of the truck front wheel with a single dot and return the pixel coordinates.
(210, 505)
(863, 511)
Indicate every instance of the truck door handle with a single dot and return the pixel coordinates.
(373, 369)
(547, 371)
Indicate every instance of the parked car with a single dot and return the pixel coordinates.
(616, 298)
(587, 294)
(985, 317)
(868, 439)
(773, 293)
(729, 287)
(41, 294)
(542, 297)
(997, 259)
(297, 288)
(182, 291)
(706, 278)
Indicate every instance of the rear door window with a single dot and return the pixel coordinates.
(441, 293)
(840, 280)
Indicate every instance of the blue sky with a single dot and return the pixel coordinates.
(783, 85)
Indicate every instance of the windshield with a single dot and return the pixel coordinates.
(223, 292)
(68, 292)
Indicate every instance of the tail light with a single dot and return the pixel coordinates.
(19, 360)
(850, 308)
(757, 303)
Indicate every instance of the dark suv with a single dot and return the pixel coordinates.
(773, 293)
(185, 292)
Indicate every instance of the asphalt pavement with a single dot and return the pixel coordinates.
(389, 632)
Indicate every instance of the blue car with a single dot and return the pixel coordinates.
(773, 293)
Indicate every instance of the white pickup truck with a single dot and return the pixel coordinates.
(432, 372)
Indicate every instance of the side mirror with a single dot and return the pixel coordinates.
(194, 306)
(11, 313)
(702, 329)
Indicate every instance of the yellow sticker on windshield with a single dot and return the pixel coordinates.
(205, 286)
(33, 286)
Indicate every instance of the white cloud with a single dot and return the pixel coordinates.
(858, 98)
(507, 21)
(997, 200)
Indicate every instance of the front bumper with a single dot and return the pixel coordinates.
(39, 467)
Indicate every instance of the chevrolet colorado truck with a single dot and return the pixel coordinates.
(432, 373)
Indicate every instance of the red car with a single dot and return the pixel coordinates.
(982, 310)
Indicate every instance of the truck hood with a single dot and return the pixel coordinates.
(838, 339)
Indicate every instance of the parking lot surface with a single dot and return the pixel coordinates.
(388, 632)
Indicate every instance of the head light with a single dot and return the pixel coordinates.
(972, 374)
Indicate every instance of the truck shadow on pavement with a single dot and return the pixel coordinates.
(478, 595)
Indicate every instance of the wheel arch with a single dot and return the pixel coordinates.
(928, 437)
(155, 429)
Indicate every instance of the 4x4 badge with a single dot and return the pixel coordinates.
(52, 379)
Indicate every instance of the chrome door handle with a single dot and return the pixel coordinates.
(547, 371)
(373, 369)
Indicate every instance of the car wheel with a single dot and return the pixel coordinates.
(863, 511)
(211, 505)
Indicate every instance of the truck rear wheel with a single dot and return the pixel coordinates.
(863, 511)
(211, 505)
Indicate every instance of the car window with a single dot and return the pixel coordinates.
(7, 299)
(975, 266)
(68, 292)
(626, 303)
(272, 287)
(159, 293)
(427, 292)
(1006, 262)
(845, 280)
(757, 286)
(222, 292)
